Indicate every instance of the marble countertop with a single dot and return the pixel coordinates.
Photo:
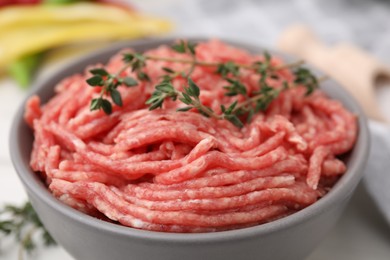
(362, 232)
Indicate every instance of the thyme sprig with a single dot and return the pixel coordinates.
(217, 64)
(230, 71)
(23, 223)
(109, 82)
(189, 48)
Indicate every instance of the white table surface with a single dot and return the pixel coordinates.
(360, 234)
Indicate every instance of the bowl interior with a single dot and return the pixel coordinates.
(22, 137)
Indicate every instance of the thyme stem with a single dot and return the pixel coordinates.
(249, 101)
(22, 223)
(198, 105)
(216, 64)
(254, 102)
(289, 65)
(26, 240)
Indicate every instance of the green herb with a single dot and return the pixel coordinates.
(179, 47)
(109, 84)
(23, 223)
(190, 97)
(235, 88)
(235, 113)
(189, 48)
(229, 67)
(23, 69)
(306, 78)
(163, 90)
(231, 115)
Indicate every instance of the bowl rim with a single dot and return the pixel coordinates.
(340, 191)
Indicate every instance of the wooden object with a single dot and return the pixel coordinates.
(350, 66)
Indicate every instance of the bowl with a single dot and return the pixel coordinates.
(88, 238)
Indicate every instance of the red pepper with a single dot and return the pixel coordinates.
(34, 2)
(116, 3)
(19, 2)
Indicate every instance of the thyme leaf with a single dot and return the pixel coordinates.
(236, 113)
(23, 223)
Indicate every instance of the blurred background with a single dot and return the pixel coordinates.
(37, 37)
(363, 22)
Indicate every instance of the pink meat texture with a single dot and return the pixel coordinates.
(171, 171)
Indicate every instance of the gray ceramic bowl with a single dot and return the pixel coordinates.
(88, 238)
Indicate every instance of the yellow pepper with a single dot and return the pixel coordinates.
(28, 30)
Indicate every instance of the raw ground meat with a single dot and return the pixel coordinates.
(162, 170)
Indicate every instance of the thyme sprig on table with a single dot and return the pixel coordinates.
(23, 223)
(230, 71)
